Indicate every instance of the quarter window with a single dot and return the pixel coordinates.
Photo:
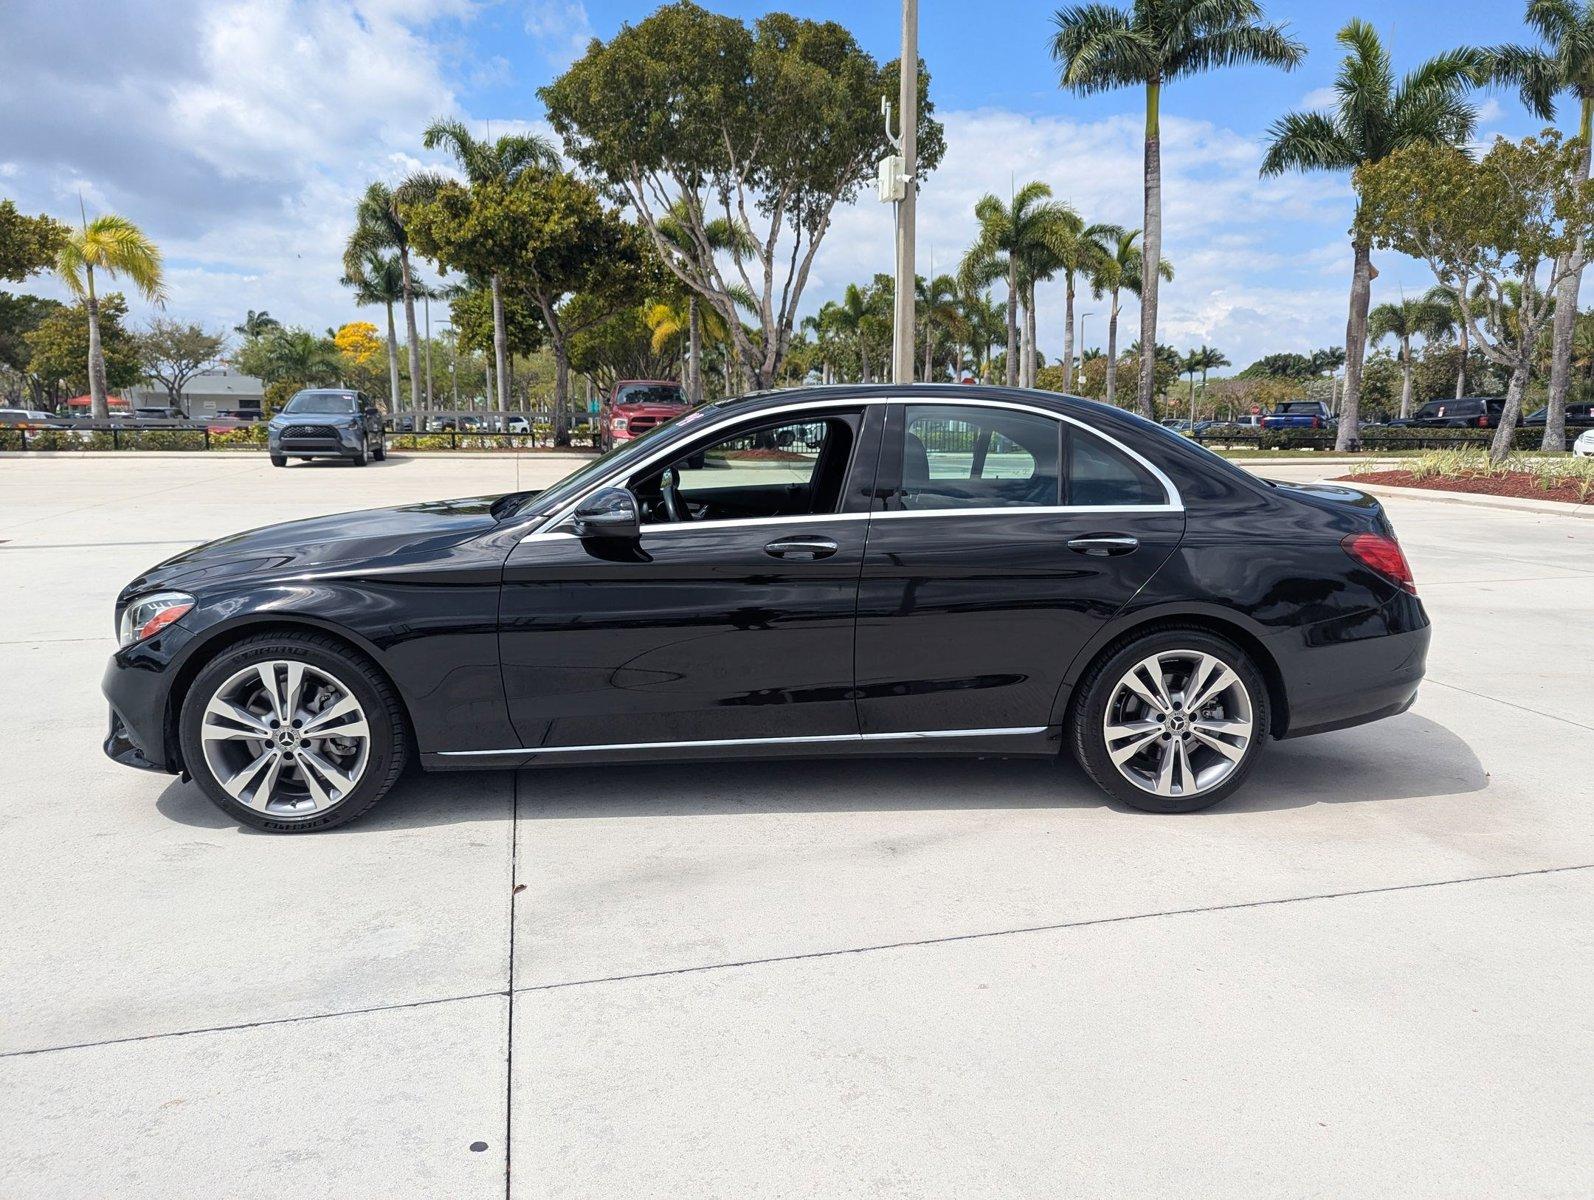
(966, 457)
(1099, 475)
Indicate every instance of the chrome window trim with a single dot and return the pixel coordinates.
(1175, 502)
(712, 743)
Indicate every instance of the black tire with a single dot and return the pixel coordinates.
(279, 460)
(1088, 741)
(380, 453)
(389, 729)
(360, 455)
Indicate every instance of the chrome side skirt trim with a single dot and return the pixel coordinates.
(911, 736)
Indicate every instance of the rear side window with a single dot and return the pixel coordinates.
(974, 457)
(1100, 475)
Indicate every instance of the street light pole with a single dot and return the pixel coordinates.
(904, 315)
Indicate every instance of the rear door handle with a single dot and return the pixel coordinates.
(1100, 545)
(806, 548)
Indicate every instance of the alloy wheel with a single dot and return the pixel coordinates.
(286, 738)
(1179, 723)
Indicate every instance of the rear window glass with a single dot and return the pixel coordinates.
(1099, 475)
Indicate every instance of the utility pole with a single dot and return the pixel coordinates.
(905, 315)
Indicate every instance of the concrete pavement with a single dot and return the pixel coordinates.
(1369, 974)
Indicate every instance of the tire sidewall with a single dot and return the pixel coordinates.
(1090, 744)
(386, 739)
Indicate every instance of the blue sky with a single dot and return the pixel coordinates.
(239, 132)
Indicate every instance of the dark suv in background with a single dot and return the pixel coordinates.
(327, 423)
(1469, 412)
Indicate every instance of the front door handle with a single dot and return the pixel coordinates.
(1100, 545)
(805, 548)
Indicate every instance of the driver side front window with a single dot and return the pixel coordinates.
(791, 468)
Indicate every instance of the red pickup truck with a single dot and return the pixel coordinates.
(635, 406)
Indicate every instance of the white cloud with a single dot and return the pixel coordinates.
(562, 27)
(1237, 282)
(1319, 99)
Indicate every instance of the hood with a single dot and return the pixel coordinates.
(296, 547)
(649, 408)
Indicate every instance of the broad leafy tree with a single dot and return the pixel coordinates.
(1374, 115)
(291, 357)
(549, 237)
(1561, 66)
(1150, 44)
(115, 247)
(28, 245)
(173, 352)
(768, 127)
(1509, 223)
(59, 354)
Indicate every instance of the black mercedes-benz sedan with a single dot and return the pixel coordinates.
(852, 570)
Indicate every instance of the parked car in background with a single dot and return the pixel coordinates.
(224, 423)
(327, 423)
(518, 424)
(1467, 412)
(28, 418)
(941, 569)
(1298, 414)
(404, 423)
(1583, 447)
(158, 412)
(1579, 416)
(635, 406)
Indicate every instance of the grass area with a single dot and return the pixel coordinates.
(1242, 453)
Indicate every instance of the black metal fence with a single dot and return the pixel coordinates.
(1371, 440)
(174, 435)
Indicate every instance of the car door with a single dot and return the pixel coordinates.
(731, 619)
(1009, 536)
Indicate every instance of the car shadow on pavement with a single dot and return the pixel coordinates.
(1408, 757)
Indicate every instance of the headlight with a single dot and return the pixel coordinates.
(148, 615)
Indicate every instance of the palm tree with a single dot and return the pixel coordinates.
(1373, 116)
(1100, 47)
(675, 227)
(1211, 359)
(1447, 320)
(1074, 249)
(117, 247)
(939, 310)
(379, 225)
(1116, 271)
(500, 161)
(1012, 240)
(299, 356)
(1565, 63)
(1404, 321)
(1190, 365)
(256, 323)
(380, 280)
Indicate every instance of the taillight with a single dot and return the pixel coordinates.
(1483, 422)
(1317, 422)
(1382, 554)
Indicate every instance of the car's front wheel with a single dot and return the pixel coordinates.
(292, 732)
(361, 455)
(1171, 721)
(279, 460)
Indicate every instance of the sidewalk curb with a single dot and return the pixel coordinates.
(1555, 508)
(252, 452)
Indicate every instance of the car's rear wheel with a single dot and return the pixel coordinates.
(292, 732)
(1171, 721)
(380, 453)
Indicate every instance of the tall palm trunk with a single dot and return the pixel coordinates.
(1361, 290)
(1566, 309)
(1112, 350)
(1464, 340)
(392, 360)
(411, 331)
(101, 408)
(1405, 378)
(1068, 334)
(1151, 249)
(694, 347)
(1012, 322)
(500, 345)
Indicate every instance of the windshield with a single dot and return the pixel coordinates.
(322, 402)
(546, 501)
(1298, 406)
(650, 393)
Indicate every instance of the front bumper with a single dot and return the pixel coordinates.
(345, 443)
(137, 684)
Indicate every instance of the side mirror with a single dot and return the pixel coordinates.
(609, 513)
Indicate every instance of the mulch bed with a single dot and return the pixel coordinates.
(1518, 485)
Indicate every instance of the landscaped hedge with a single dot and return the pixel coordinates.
(1373, 438)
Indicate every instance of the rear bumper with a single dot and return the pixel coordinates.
(1334, 685)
